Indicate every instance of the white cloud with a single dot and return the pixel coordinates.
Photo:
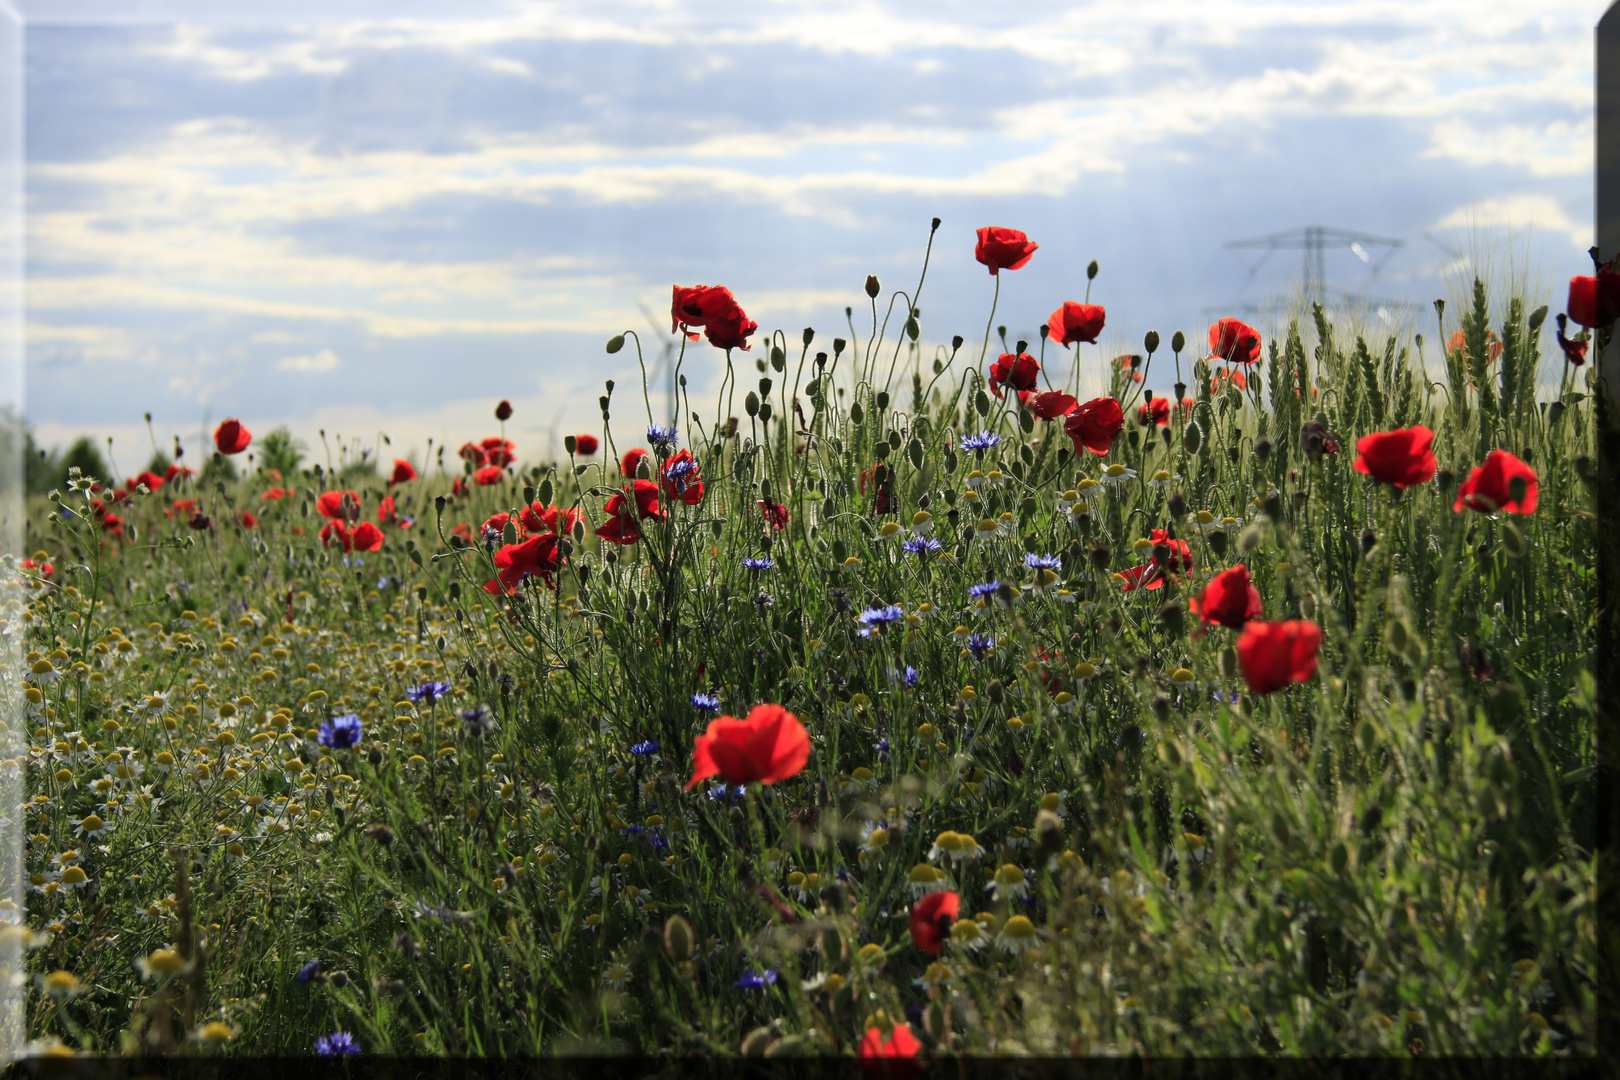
(325, 360)
(1520, 212)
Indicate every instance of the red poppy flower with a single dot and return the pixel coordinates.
(151, 479)
(247, 519)
(628, 463)
(472, 452)
(498, 523)
(366, 537)
(731, 330)
(1151, 575)
(624, 513)
(1574, 347)
(682, 478)
(1595, 301)
(538, 555)
(404, 472)
(1156, 411)
(1048, 406)
(776, 515)
(43, 569)
(330, 503)
(585, 445)
(1076, 322)
(1234, 341)
(182, 507)
(540, 517)
(1132, 363)
(337, 530)
(894, 1057)
(769, 746)
(931, 919)
(489, 474)
(1275, 654)
(464, 531)
(1003, 249)
(113, 524)
(1236, 378)
(231, 437)
(503, 411)
(498, 451)
(274, 494)
(883, 477)
(1491, 487)
(1230, 599)
(177, 471)
(388, 514)
(200, 521)
(1017, 372)
(1400, 458)
(1095, 425)
(1458, 347)
(696, 305)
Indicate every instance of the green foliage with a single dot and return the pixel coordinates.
(280, 451)
(1391, 858)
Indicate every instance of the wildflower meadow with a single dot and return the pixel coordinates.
(889, 698)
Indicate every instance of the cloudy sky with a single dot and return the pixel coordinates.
(387, 226)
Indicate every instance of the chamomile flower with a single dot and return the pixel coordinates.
(804, 887)
(1008, 883)
(1117, 474)
(616, 975)
(92, 827)
(969, 935)
(874, 837)
(925, 879)
(1203, 522)
(1017, 934)
(1164, 478)
(922, 523)
(164, 963)
(986, 530)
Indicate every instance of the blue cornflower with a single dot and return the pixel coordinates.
(873, 620)
(663, 438)
(979, 644)
(1043, 562)
(882, 748)
(308, 972)
(756, 980)
(428, 691)
(66, 513)
(723, 791)
(843, 873)
(1226, 697)
(984, 440)
(341, 732)
(337, 1044)
(920, 545)
(908, 676)
(477, 721)
(353, 560)
(644, 748)
(987, 589)
(705, 702)
(758, 564)
(676, 473)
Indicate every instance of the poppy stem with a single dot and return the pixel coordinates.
(990, 322)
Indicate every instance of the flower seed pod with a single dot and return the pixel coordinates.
(1249, 540)
(680, 941)
(1150, 342)
(1229, 663)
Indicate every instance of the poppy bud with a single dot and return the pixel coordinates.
(339, 979)
(1181, 391)
(1217, 542)
(1091, 271)
(1374, 816)
(1046, 331)
(935, 225)
(1177, 505)
(1100, 556)
(1161, 708)
(1262, 449)
(1150, 342)
(883, 403)
(608, 385)
(603, 402)
(872, 286)
(1249, 539)
(375, 754)
(1234, 452)
(1525, 455)
(1172, 617)
(1229, 663)
(1368, 542)
(1447, 478)
(615, 343)
(956, 342)
(1130, 735)
(503, 411)
(995, 692)
(380, 834)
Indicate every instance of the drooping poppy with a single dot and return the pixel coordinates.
(231, 437)
(1095, 425)
(538, 555)
(1076, 322)
(1401, 458)
(1234, 341)
(1017, 371)
(1155, 411)
(931, 919)
(1595, 301)
(776, 515)
(769, 746)
(585, 444)
(1050, 405)
(1230, 599)
(404, 472)
(732, 330)
(1503, 483)
(1003, 249)
(1574, 347)
(683, 479)
(1272, 655)
(1177, 559)
(882, 476)
(330, 503)
(714, 309)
